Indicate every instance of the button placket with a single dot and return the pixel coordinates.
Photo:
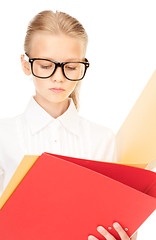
(54, 132)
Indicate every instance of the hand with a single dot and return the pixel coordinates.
(108, 236)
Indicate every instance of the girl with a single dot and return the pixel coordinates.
(55, 47)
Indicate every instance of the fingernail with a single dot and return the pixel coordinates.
(90, 237)
(100, 229)
(115, 224)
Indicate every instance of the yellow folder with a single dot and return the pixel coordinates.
(22, 169)
(136, 139)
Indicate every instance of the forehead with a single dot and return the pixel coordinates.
(58, 47)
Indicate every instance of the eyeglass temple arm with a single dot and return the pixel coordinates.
(26, 57)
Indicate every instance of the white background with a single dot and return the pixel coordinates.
(121, 51)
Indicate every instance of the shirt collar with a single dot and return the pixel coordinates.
(37, 118)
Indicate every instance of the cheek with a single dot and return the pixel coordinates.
(71, 85)
(39, 84)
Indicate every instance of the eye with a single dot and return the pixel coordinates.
(45, 66)
(71, 67)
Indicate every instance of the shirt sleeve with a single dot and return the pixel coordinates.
(112, 149)
(2, 165)
(1, 180)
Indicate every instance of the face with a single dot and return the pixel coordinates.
(59, 48)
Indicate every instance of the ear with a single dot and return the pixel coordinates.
(25, 66)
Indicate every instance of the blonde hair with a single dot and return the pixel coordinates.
(56, 23)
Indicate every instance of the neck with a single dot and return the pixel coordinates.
(54, 109)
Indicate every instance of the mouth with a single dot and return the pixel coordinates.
(57, 90)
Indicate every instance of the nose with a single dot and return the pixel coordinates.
(58, 75)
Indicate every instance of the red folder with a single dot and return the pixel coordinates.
(65, 198)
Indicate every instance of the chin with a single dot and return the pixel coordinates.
(57, 100)
(51, 98)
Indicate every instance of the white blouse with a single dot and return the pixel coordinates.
(35, 131)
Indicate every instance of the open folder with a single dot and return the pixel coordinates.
(67, 198)
(136, 138)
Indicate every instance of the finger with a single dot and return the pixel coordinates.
(121, 231)
(90, 237)
(105, 233)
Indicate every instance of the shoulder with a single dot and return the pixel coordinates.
(9, 122)
(9, 126)
(10, 137)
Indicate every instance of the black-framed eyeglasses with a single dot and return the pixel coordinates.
(45, 68)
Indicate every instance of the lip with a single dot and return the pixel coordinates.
(57, 90)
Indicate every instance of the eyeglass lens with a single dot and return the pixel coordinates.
(72, 70)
